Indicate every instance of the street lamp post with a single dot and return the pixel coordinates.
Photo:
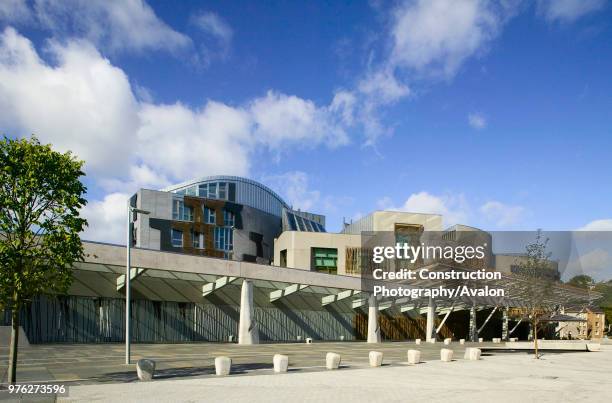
(130, 211)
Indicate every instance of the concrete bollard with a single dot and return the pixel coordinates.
(223, 365)
(446, 355)
(480, 339)
(513, 339)
(332, 361)
(342, 338)
(145, 369)
(414, 356)
(462, 341)
(447, 342)
(418, 341)
(308, 340)
(230, 338)
(299, 338)
(432, 341)
(496, 340)
(472, 354)
(376, 358)
(281, 363)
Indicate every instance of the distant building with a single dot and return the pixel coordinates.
(592, 325)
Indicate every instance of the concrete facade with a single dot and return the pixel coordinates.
(298, 246)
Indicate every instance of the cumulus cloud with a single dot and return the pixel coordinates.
(477, 121)
(83, 103)
(115, 25)
(280, 118)
(567, 11)
(501, 214)
(598, 225)
(439, 35)
(106, 218)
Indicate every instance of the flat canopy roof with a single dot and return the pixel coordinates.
(199, 271)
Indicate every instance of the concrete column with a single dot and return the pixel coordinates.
(373, 328)
(473, 324)
(505, 323)
(247, 329)
(431, 317)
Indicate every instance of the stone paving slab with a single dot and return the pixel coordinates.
(569, 377)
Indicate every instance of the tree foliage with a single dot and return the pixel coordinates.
(40, 198)
(581, 281)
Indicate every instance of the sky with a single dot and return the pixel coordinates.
(496, 114)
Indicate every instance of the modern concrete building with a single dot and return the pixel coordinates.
(219, 216)
(201, 271)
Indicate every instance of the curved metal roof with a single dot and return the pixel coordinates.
(214, 178)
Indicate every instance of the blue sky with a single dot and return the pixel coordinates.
(495, 114)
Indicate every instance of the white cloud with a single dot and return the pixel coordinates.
(14, 11)
(281, 118)
(598, 225)
(439, 35)
(219, 36)
(294, 187)
(106, 219)
(112, 24)
(477, 121)
(184, 143)
(83, 103)
(502, 214)
(454, 209)
(568, 10)
(214, 25)
(383, 87)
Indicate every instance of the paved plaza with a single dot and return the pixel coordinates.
(186, 373)
(95, 363)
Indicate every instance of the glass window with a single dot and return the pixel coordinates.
(177, 238)
(212, 190)
(197, 239)
(190, 191)
(325, 259)
(223, 191)
(203, 190)
(224, 239)
(209, 216)
(229, 218)
(177, 209)
(180, 212)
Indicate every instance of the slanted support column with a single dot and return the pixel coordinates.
(505, 323)
(247, 329)
(473, 325)
(373, 328)
(431, 317)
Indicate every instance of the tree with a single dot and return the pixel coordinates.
(40, 198)
(538, 286)
(581, 281)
